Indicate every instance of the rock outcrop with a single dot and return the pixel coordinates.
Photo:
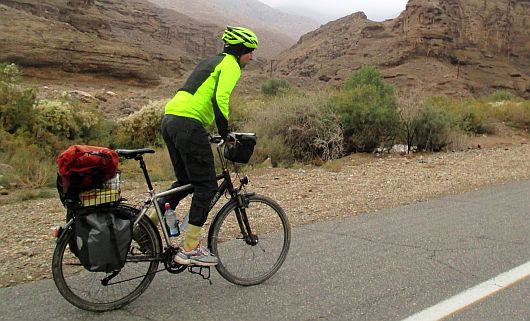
(453, 47)
(127, 39)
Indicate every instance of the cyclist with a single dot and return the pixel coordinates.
(203, 98)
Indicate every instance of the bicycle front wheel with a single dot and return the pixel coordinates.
(86, 290)
(250, 253)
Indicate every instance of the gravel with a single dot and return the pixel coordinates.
(353, 185)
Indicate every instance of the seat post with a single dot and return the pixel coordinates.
(144, 170)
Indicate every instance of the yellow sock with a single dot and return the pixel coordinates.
(192, 237)
(154, 217)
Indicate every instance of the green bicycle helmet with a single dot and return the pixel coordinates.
(239, 35)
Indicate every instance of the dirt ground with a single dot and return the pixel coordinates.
(360, 183)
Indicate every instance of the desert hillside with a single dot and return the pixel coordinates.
(131, 40)
(453, 47)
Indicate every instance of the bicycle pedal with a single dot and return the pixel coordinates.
(205, 276)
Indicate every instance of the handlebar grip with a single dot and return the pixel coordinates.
(215, 139)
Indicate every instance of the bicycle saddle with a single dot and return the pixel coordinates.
(133, 153)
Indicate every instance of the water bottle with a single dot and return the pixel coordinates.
(184, 224)
(171, 220)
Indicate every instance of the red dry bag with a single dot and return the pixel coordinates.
(83, 167)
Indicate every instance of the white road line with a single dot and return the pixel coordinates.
(472, 295)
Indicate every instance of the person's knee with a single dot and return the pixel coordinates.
(200, 206)
(203, 199)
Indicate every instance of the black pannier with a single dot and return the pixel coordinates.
(103, 236)
(242, 149)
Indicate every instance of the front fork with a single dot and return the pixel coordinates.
(241, 214)
(244, 226)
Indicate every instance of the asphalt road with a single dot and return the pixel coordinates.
(386, 265)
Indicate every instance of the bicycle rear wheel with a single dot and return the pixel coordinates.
(85, 290)
(251, 259)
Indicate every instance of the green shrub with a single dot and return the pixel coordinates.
(63, 122)
(370, 76)
(29, 166)
(473, 120)
(434, 127)
(141, 128)
(295, 128)
(500, 95)
(16, 102)
(9, 73)
(369, 120)
(367, 111)
(62, 119)
(433, 123)
(275, 86)
(34, 132)
(517, 114)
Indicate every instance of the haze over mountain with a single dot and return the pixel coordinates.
(276, 30)
(326, 11)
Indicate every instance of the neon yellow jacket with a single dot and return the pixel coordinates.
(206, 94)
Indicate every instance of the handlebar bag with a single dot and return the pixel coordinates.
(242, 149)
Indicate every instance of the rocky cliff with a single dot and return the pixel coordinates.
(125, 39)
(454, 47)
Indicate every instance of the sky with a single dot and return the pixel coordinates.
(326, 10)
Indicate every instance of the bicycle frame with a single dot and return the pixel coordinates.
(226, 185)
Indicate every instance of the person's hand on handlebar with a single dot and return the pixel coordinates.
(230, 139)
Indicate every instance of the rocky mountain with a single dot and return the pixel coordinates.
(454, 47)
(276, 30)
(126, 39)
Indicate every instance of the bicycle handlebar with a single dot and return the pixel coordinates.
(232, 137)
(216, 139)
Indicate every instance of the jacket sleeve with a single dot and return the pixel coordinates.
(228, 77)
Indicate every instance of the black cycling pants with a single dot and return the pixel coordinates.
(192, 158)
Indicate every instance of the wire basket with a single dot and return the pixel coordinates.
(109, 193)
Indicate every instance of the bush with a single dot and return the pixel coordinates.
(500, 95)
(370, 76)
(296, 128)
(29, 166)
(409, 107)
(34, 132)
(275, 86)
(367, 110)
(64, 119)
(517, 114)
(430, 124)
(141, 128)
(9, 73)
(16, 103)
(434, 127)
(474, 120)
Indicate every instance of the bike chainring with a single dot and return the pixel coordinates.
(170, 265)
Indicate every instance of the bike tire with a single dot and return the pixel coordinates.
(84, 289)
(250, 264)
